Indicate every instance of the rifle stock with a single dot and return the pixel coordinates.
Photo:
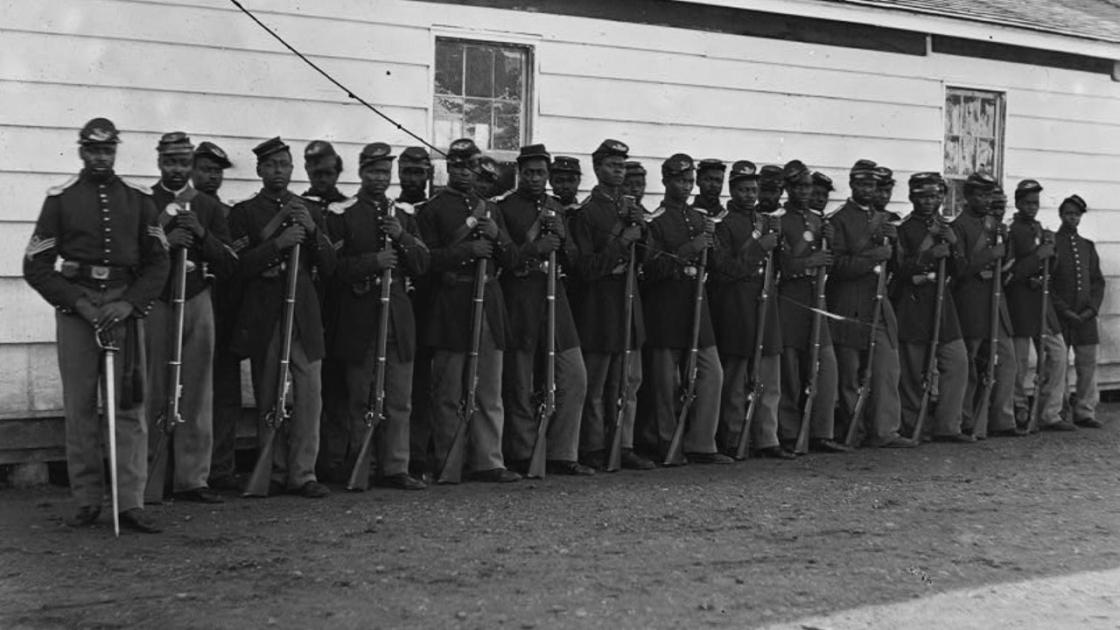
(674, 455)
(1040, 350)
(547, 407)
(258, 483)
(742, 445)
(170, 416)
(931, 355)
(865, 378)
(614, 458)
(375, 409)
(980, 414)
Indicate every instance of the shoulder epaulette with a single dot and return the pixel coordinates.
(405, 207)
(502, 197)
(58, 190)
(339, 207)
(721, 216)
(136, 187)
(653, 215)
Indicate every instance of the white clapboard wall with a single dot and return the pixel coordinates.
(204, 68)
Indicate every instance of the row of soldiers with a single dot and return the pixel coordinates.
(759, 327)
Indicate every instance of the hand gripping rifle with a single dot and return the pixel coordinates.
(757, 389)
(278, 413)
(170, 417)
(674, 456)
(546, 408)
(865, 379)
(375, 405)
(1039, 344)
(614, 458)
(801, 447)
(931, 375)
(452, 469)
(988, 380)
(107, 342)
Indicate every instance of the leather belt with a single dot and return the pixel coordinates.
(74, 270)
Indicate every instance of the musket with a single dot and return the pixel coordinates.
(452, 468)
(278, 413)
(614, 458)
(375, 402)
(756, 386)
(108, 345)
(170, 415)
(865, 378)
(980, 411)
(674, 456)
(546, 408)
(931, 373)
(801, 447)
(1040, 346)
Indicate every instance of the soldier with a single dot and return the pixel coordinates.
(1078, 290)
(1001, 416)
(924, 239)
(198, 223)
(745, 241)
(491, 179)
(884, 190)
(264, 228)
(802, 256)
(564, 177)
(114, 263)
(709, 184)
(862, 249)
(605, 231)
(822, 188)
(536, 226)
(1032, 248)
(461, 228)
(414, 170)
(769, 188)
(374, 234)
(323, 167)
(210, 162)
(634, 183)
(678, 237)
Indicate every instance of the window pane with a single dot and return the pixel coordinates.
(449, 68)
(968, 155)
(480, 71)
(953, 165)
(448, 120)
(507, 126)
(478, 114)
(985, 156)
(952, 116)
(508, 74)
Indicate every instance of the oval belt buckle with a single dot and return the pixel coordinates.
(690, 271)
(97, 272)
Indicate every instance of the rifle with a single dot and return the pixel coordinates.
(1040, 346)
(931, 374)
(801, 447)
(257, 485)
(674, 456)
(375, 405)
(614, 459)
(108, 345)
(865, 378)
(980, 411)
(755, 395)
(452, 469)
(546, 409)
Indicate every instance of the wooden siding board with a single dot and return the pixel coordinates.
(26, 315)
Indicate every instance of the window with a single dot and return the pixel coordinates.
(973, 140)
(482, 92)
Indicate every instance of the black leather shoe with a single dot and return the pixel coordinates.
(276, 488)
(634, 461)
(85, 516)
(824, 445)
(136, 520)
(709, 458)
(899, 442)
(959, 438)
(229, 482)
(776, 452)
(1012, 432)
(199, 495)
(1089, 423)
(1061, 425)
(519, 466)
(496, 475)
(313, 490)
(402, 481)
(559, 467)
(594, 459)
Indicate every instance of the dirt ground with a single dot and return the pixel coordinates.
(747, 545)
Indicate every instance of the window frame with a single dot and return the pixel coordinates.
(951, 207)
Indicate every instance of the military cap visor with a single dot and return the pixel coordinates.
(214, 152)
(270, 147)
(710, 164)
(414, 157)
(610, 148)
(1026, 187)
(375, 152)
(822, 180)
(795, 170)
(175, 143)
(678, 164)
(565, 164)
(980, 181)
(743, 169)
(863, 169)
(463, 149)
(1076, 201)
(533, 152)
(99, 131)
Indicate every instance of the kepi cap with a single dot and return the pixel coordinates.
(634, 168)
(210, 150)
(770, 176)
(488, 168)
(795, 170)
(371, 153)
(317, 150)
(414, 157)
(610, 147)
(924, 182)
(565, 164)
(1077, 201)
(99, 131)
(710, 164)
(1026, 187)
(822, 180)
(462, 149)
(743, 169)
(270, 146)
(677, 164)
(863, 169)
(175, 143)
(884, 176)
(533, 152)
(983, 181)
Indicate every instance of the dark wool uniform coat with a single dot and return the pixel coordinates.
(1077, 285)
(735, 286)
(915, 304)
(111, 223)
(972, 290)
(329, 288)
(669, 282)
(1023, 282)
(263, 272)
(852, 283)
(356, 232)
(226, 294)
(600, 268)
(801, 236)
(526, 286)
(212, 249)
(443, 229)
